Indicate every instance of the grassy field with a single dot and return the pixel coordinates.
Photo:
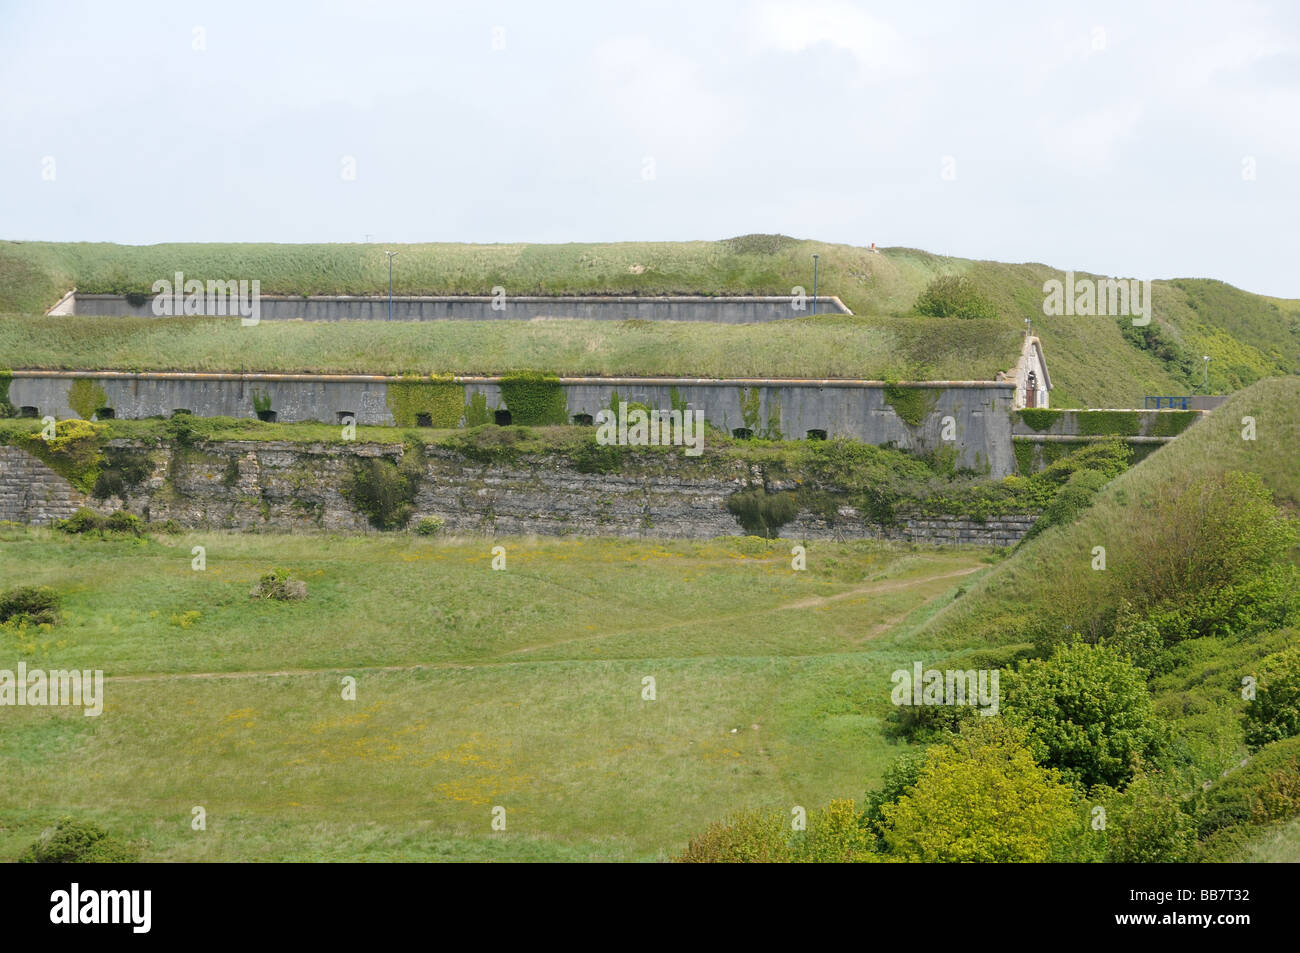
(475, 689)
(1247, 336)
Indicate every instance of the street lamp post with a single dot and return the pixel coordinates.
(815, 257)
(391, 255)
(1206, 359)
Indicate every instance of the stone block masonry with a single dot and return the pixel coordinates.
(30, 492)
(256, 485)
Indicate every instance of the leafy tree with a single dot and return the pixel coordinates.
(79, 842)
(954, 296)
(1086, 711)
(983, 798)
(1274, 713)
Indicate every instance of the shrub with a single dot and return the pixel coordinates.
(74, 451)
(122, 470)
(87, 521)
(35, 605)
(1265, 789)
(836, 834)
(762, 513)
(744, 837)
(1274, 712)
(1071, 500)
(79, 842)
(279, 585)
(1086, 712)
(385, 491)
(953, 296)
(899, 778)
(1146, 825)
(982, 798)
(429, 526)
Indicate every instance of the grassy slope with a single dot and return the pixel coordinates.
(1091, 364)
(527, 692)
(1057, 564)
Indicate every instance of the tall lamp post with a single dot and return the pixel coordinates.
(391, 255)
(1206, 359)
(815, 284)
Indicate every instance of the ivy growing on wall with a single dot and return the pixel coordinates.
(534, 399)
(476, 411)
(75, 453)
(85, 397)
(911, 404)
(1117, 423)
(1039, 418)
(6, 408)
(1170, 423)
(441, 399)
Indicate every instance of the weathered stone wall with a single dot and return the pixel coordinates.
(30, 492)
(253, 485)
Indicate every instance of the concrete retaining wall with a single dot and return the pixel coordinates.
(979, 411)
(721, 309)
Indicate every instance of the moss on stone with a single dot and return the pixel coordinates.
(6, 408)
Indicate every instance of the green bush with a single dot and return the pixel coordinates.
(123, 470)
(744, 837)
(1079, 493)
(954, 296)
(279, 585)
(79, 842)
(429, 526)
(385, 491)
(982, 798)
(1274, 713)
(1086, 712)
(1264, 790)
(87, 521)
(762, 513)
(74, 452)
(1147, 825)
(34, 605)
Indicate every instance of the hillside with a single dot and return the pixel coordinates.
(1091, 360)
(1051, 576)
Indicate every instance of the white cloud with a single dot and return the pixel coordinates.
(796, 27)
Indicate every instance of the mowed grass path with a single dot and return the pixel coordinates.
(475, 689)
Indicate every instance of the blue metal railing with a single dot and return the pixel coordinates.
(1179, 403)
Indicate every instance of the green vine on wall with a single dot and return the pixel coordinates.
(85, 397)
(1040, 419)
(1109, 423)
(534, 399)
(6, 408)
(441, 399)
(911, 404)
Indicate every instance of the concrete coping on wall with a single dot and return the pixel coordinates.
(496, 379)
(530, 299)
(1090, 438)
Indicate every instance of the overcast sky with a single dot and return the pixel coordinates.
(1137, 140)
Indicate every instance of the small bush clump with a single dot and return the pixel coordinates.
(34, 605)
(954, 296)
(87, 521)
(429, 526)
(79, 842)
(279, 585)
